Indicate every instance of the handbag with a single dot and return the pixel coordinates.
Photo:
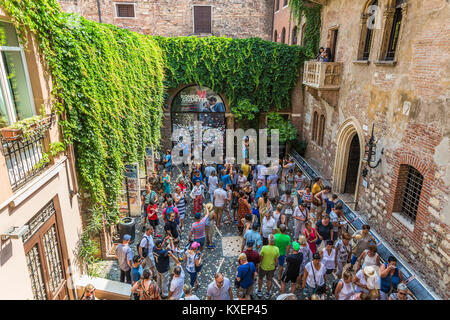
(237, 283)
(318, 289)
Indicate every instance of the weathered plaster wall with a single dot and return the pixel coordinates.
(409, 105)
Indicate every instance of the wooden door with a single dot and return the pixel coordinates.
(44, 257)
(353, 166)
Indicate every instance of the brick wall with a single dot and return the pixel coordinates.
(237, 18)
(408, 103)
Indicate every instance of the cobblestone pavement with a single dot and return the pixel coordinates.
(221, 259)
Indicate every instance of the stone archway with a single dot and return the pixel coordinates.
(346, 134)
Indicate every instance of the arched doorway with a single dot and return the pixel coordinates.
(198, 103)
(352, 166)
(349, 153)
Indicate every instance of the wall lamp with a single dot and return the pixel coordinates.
(15, 233)
(370, 152)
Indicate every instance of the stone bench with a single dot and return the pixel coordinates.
(104, 289)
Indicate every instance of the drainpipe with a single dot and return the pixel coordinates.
(99, 11)
(273, 20)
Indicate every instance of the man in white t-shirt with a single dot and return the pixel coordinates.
(176, 286)
(147, 245)
(220, 288)
(219, 202)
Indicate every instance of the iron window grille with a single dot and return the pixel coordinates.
(22, 157)
(39, 220)
(125, 11)
(411, 194)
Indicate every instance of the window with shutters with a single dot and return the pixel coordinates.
(275, 36)
(277, 5)
(321, 130)
(202, 19)
(368, 23)
(394, 16)
(125, 10)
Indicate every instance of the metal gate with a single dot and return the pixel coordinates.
(44, 256)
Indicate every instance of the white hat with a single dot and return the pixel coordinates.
(369, 271)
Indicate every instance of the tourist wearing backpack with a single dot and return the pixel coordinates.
(145, 247)
(146, 288)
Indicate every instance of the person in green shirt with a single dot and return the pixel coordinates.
(269, 261)
(282, 242)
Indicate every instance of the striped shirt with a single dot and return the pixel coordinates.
(181, 206)
(198, 228)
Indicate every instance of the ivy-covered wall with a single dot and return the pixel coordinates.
(109, 87)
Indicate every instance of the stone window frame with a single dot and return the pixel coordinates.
(400, 193)
(193, 16)
(314, 126)
(303, 30)
(364, 33)
(116, 9)
(388, 15)
(321, 130)
(426, 169)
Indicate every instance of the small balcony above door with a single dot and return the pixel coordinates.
(322, 75)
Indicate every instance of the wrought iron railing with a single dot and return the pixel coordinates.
(23, 156)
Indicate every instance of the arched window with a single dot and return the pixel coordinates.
(294, 35)
(368, 23)
(303, 34)
(321, 130)
(277, 5)
(275, 36)
(283, 35)
(314, 126)
(407, 195)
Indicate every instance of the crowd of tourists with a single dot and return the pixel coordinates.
(293, 231)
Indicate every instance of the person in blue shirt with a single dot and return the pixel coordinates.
(226, 178)
(245, 275)
(136, 273)
(168, 161)
(260, 189)
(331, 203)
(215, 106)
(252, 235)
(197, 177)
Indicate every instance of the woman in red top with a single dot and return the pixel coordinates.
(152, 214)
(310, 235)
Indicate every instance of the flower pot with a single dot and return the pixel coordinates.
(11, 134)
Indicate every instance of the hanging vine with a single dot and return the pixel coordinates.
(109, 88)
(311, 12)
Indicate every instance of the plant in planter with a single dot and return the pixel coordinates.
(27, 127)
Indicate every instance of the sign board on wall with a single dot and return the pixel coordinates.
(149, 161)
(134, 191)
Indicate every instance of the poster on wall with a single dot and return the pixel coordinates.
(131, 173)
(149, 161)
(197, 99)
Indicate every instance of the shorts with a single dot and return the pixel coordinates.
(248, 291)
(286, 278)
(269, 273)
(319, 209)
(153, 223)
(201, 241)
(218, 210)
(281, 260)
(149, 261)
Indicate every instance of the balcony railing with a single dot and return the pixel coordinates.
(322, 75)
(23, 153)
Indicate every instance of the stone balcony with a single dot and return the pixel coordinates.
(323, 79)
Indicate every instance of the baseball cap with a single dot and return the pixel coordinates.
(295, 245)
(126, 237)
(250, 243)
